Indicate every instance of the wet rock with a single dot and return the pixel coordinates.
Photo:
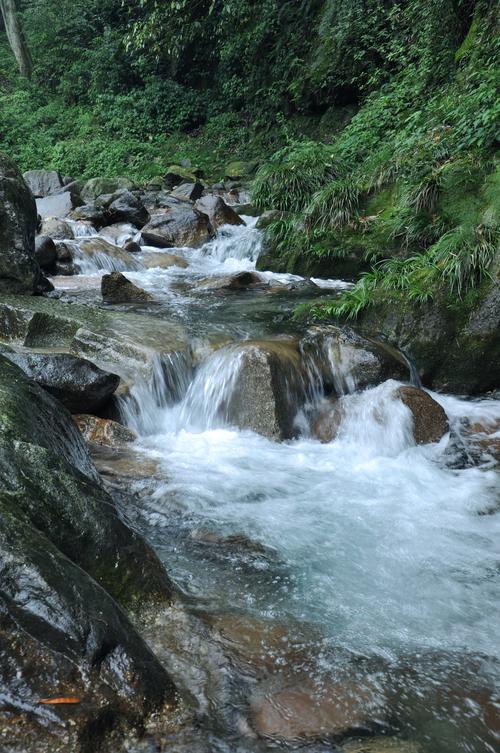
(218, 212)
(80, 385)
(240, 169)
(57, 229)
(430, 422)
(43, 182)
(269, 388)
(64, 251)
(124, 463)
(125, 207)
(59, 205)
(100, 186)
(177, 227)
(343, 361)
(307, 711)
(45, 251)
(132, 247)
(103, 431)
(93, 213)
(165, 200)
(241, 281)
(381, 745)
(115, 288)
(164, 260)
(19, 270)
(325, 424)
(188, 191)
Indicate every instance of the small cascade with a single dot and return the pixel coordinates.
(237, 242)
(205, 405)
(94, 255)
(82, 229)
(142, 409)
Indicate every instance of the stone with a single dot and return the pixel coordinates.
(430, 422)
(58, 205)
(188, 191)
(119, 233)
(381, 745)
(267, 218)
(325, 423)
(132, 247)
(306, 711)
(344, 361)
(163, 260)
(64, 251)
(177, 227)
(176, 174)
(100, 186)
(240, 169)
(240, 281)
(125, 207)
(218, 212)
(115, 288)
(19, 270)
(103, 431)
(93, 213)
(43, 183)
(45, 251)
(269, 387)
(80, 385)
(58, 230)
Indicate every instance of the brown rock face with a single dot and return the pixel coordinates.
(430, 422)
(115, 288)
(103, 431)
(306, 711)
(326, 423)
(219, 213)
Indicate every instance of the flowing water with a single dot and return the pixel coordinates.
(383, 552)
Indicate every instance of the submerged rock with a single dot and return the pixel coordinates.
(326, 422)
(381, 745)
(240, 281)
(81, 386)
(430, 422)
(115, 288)
(19, 270)
(106, 255)
(177, 227)
(218, 212)
(164, 260)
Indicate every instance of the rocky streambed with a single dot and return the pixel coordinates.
(222, 529)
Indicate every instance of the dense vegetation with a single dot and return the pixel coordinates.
(382, 117)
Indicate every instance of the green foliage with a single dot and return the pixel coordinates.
(335, 205)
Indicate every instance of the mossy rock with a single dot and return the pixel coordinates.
(98, 186)
(240, 170)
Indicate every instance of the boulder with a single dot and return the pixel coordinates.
(93, 213)
(132, 247)
(176, 174)
(325, 423)
(188, 191)
(58, 205)
(99, 186)
(218, 212)
(164, 200)
(179, 226)
(125, 207)
(119, 233)
(45, 251)
(430, 422)
(240, 281)
(19, 270)
(103, 431)
(80, 385)
(269, 387)
(64, 251)
(344, 361)
(267, 218)
(163, 260)
(57, 229)
(115, 288)
(240, 169)
(43, 183)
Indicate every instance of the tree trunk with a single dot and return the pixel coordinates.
(16, 37)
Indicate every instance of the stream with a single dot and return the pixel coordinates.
(365, 569)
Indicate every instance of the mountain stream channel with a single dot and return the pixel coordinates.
(339, 596)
